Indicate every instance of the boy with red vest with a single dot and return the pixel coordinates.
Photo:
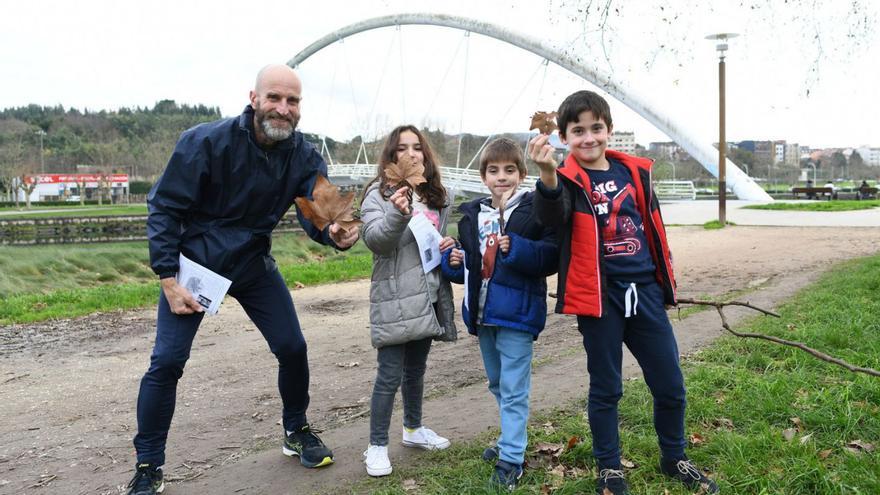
(615, 274)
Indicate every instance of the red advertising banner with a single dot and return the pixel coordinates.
(73, 178)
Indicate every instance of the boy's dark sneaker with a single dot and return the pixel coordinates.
(490, 454)
(611, 482)
(506, 475)
(311, 450)
(684, 470)
(147, 480)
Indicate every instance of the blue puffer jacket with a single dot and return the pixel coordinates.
(517, 293)
(221, 196)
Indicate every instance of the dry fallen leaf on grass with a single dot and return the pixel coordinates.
(544, 122)
(722, 423)
(858, 446)
(328, 206)
(696, 439)
(404, 171)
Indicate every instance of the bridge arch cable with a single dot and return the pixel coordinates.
(467, 45)
(402, 74)
(538, 100)
(506, 112)
(359, 124)
(326, 116)
(370, 117)
(439, 89)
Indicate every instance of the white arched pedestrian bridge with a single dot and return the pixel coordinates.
(704, 152)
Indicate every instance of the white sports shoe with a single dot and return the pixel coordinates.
(376, 459)
(424, 438)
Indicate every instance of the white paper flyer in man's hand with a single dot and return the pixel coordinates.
(207, 288)
(428, 240)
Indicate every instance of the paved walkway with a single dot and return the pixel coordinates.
(699, 212)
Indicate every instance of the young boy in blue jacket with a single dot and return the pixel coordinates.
(504, 258)
(615, 274)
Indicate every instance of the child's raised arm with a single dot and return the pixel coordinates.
(544, 155)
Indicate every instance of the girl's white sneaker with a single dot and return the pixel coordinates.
(376, 459)
(423, 438)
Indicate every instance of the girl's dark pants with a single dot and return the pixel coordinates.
(647, 333)
(267, 302)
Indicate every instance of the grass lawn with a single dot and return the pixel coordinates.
(45, 282)
(744, 398)
(73, 211)
(716, 224)
(841, 205)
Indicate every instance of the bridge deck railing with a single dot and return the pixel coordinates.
(458, 179)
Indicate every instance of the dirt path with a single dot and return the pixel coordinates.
(68, 388)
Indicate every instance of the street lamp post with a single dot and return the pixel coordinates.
(721, 46)
(814, 173)
(42, 133)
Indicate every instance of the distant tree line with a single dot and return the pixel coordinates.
(136, 141)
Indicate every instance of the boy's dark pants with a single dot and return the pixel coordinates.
(635, 316)
(267, 302)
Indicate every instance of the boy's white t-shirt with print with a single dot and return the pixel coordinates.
(489, 230)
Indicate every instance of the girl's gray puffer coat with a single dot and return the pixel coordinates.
(400, 306)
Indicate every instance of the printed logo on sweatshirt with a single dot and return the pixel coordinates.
(619, 231)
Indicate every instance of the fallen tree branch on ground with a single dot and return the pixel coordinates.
(791, 343)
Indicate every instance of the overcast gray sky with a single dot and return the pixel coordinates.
(104, 54)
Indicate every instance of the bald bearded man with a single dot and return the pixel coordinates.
(226, 186)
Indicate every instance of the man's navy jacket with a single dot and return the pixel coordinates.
(222, 195)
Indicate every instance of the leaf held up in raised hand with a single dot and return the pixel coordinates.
(544, 122)
(328, 206)
(404, 171)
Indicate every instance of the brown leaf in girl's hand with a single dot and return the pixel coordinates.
(406, 171)
(328, 206)
(544, 122)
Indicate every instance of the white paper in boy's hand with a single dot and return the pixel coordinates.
(207, 288)
(428, 240)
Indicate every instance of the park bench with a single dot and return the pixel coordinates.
(867, 193)
(813, 192)
(675, 189)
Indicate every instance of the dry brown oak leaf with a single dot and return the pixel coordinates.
(406, 171)
(544, 122)
(329, 206)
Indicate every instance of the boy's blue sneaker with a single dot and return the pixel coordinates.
(506, 475)
(685, 471)
(490, 454)
(311, 450)
(611, 482)
(147, 480)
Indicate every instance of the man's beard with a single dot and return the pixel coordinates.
(276, 133)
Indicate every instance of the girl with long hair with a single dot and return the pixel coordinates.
(408, 307)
